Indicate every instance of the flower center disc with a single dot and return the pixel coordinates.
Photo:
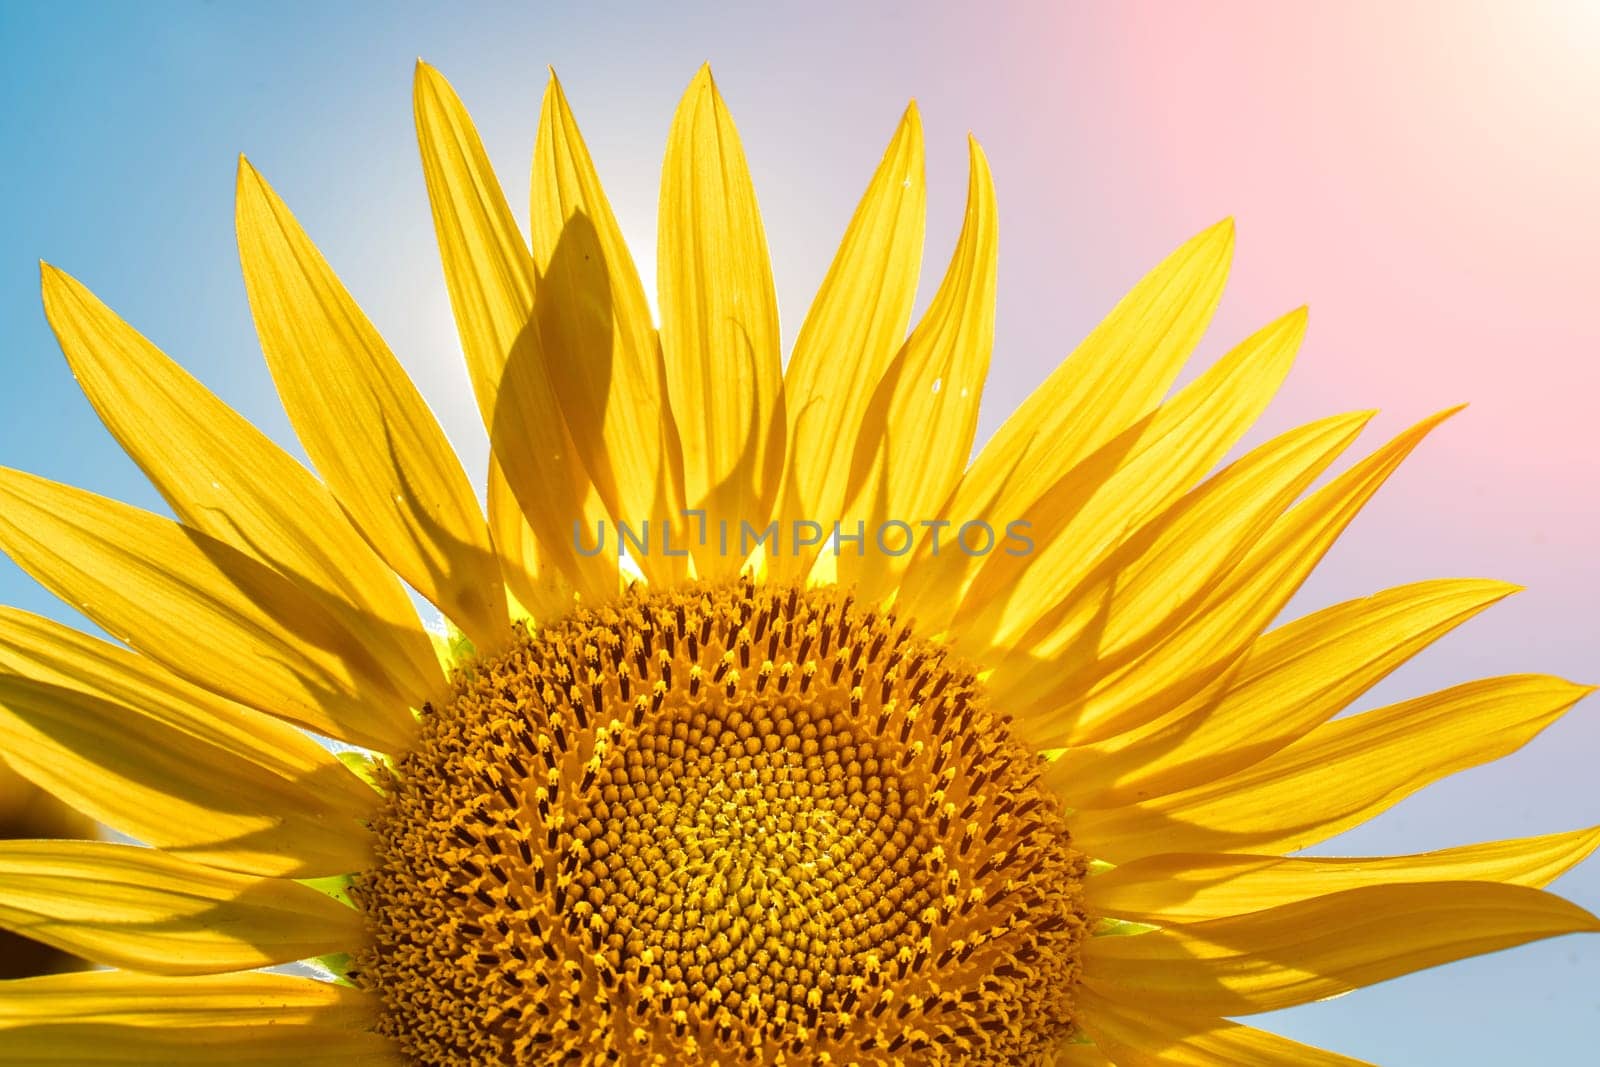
(722, 824)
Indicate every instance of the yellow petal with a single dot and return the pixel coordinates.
(206, 612)
(223, 1001)
(134, 747)
(854, 328)
(1291, 681)
(1078, 1055)
(147, 911)
(1322, 947)
(538, 588)
(224, 478)
(1194, 887)
(1114, 378)
(362, 422)
(719, 326)
(1131, 603)
(1193, 648)
(1082, 518)
(1338, 775)
(922, 417)
(264, 1044)
(1136, 1037)
(592, 310)
(121, 1017)
(490, 274)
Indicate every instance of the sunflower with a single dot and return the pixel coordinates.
(28, 811)
(761, 727)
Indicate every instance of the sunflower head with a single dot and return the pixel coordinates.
(769, 820)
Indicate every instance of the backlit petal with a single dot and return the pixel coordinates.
(1376, 758)
(147, 911)
(719, 326)
(205, 611)
(490, 273)
(1128, 607)
(920, 423)
(362, 422)
(854, 328)
(223, 477)
(1078, 1055)
(133, 746)
(127, 998)
(536, 585)
(1292, 680)
(1194, 887)
(1084, 517)
(1322, 947)
(1114, 378)
(1185, 651)
(592, 311)
(264, 1044)
(1136, 1037)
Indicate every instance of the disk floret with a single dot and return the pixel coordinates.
(722, 823)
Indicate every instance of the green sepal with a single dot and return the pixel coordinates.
(453, 648)
(336, 886)
(335, 966)
(1120, 928)
(367, 766)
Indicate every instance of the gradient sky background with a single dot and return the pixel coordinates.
(1423, 175)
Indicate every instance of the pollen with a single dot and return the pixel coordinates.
(730, 824)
